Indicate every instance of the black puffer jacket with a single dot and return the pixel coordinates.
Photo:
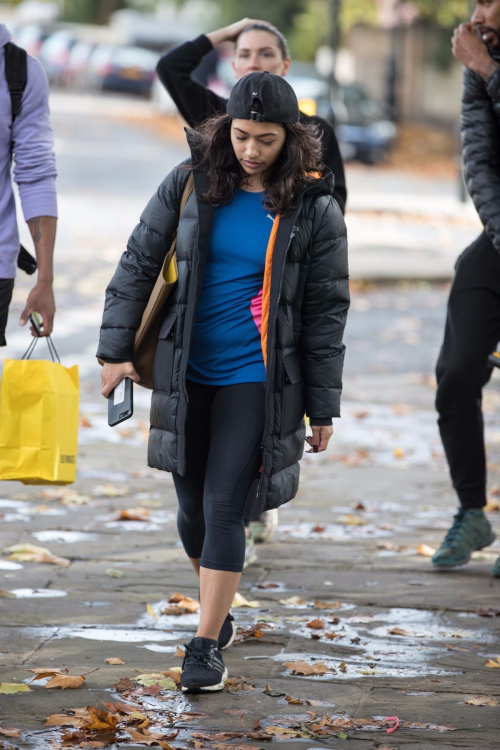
(480, 125)
(307, 304)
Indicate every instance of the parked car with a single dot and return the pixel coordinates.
(129, 70)
(55, 53)
(30, 36)
(75, 73)
(363, 131)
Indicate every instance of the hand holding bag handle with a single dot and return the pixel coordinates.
(146, 337)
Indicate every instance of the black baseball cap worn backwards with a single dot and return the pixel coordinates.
(263, 97)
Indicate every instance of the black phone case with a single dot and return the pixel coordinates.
(119, 412)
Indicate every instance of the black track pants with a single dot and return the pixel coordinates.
(472, 333)
(223, 447)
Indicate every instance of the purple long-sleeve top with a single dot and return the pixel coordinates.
(30, 140)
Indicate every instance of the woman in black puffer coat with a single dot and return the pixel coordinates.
(251, 338)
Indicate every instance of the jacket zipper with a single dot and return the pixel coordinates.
(273, 338)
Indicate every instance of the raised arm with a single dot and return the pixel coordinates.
(195, 102)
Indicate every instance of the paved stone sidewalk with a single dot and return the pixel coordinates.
(399, 639)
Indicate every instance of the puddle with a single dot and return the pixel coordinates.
(8, 565)
(336, 607)
(64, 537)
(18, 504)
(132, 526)
(13, 517)
(38, 593)
(167, 622)
(357, 667)
(379, 653)
(269, 586)
(332, 532)
(119, 635)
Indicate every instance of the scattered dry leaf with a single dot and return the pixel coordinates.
(14, 687)
(103, 721)
(33, 553)
(151, 612)
(304, 668)
(114, 660)
(10, 732)
(343, 667)
(349, 519)
(132, 514)
(65, 681)
(180, 604)
(240, 601)
(481, 700)
(319, 528)
(294, 701)
(123, 684)
(425, 550)
(293, 601)
(327, 605)
(6, 594)
(316, 624)
(399, 452)
(179, 652)
(113, 573)
(108, 490)
(398, 631)
(488, 612)
(493, 663)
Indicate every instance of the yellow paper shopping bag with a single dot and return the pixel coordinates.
(39, 413)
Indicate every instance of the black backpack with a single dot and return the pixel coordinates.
(16, 73)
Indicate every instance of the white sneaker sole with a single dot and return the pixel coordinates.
(209, 688)
(231, 640)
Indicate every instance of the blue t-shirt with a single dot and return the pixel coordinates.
(226, 346)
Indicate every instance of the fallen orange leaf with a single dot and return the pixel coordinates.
(114, 660)
(304, 668)
(316, 624)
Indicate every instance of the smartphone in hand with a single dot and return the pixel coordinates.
(121, 402)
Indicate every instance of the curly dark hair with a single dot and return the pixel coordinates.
(297, 166)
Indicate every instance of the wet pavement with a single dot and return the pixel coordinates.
(349, 624)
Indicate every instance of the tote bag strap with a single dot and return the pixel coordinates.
(52, 349)
(160, 290)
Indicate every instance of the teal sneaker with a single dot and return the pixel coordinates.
(471, 530)
(496, 569)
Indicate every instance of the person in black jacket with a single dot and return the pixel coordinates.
(473, 321)
(259, 46)
(251, 336)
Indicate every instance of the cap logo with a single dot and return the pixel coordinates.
(254, 93)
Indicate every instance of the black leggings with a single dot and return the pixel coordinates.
(472, 333)
(223, 447)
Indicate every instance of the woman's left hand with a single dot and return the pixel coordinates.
(319, 439)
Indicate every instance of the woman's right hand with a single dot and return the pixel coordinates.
(232, 32)
(112, 374)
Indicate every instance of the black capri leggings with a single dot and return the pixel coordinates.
(223, 443)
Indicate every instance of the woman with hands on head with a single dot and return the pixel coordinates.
(250, 339)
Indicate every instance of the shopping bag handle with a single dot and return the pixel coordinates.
(52, 349)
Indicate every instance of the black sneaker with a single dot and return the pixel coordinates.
(227, 632)
(203, 667)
